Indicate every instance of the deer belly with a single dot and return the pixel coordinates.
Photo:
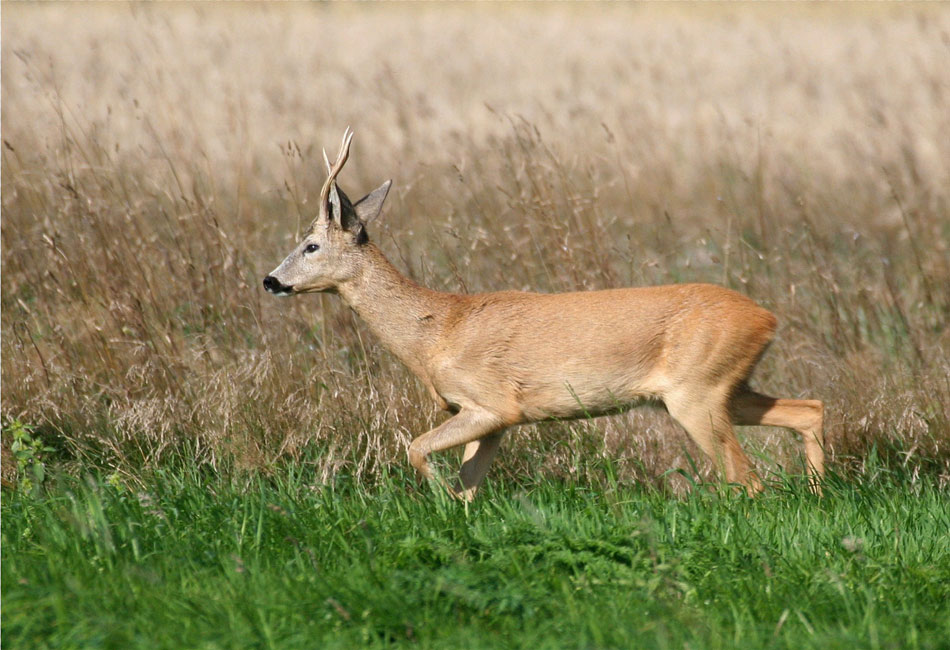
(584, 393)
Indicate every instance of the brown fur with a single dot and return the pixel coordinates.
(500, 359)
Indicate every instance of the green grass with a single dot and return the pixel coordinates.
(200, 561)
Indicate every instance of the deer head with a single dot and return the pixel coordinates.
(331, 249)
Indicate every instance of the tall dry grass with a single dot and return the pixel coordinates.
(157, 161)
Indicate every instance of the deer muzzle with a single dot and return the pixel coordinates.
(276, 287)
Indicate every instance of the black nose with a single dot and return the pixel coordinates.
(273, 285)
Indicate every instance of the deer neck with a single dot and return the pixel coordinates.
(405, 317)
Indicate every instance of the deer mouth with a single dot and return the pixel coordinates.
(276, 287)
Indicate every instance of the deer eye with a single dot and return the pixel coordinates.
(312, 248)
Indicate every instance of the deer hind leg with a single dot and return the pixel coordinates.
(468, 427)
(708, 424)
(802, 415)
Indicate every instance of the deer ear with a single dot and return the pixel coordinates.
(368, 207)
(334, 210)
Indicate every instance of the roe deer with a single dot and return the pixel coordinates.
(495, 360)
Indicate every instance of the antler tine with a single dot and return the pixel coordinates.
(344, 147)
(344, 153)
(332, 172)
(341, 158)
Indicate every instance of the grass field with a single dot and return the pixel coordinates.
(198, 464)
(201, 562)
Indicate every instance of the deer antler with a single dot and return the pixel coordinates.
(332, 172)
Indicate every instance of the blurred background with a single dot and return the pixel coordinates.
(159, 159)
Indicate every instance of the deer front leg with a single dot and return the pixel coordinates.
(475, 463)
(467, 426)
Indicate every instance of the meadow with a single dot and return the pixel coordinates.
(176, 429)
(201, 562)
